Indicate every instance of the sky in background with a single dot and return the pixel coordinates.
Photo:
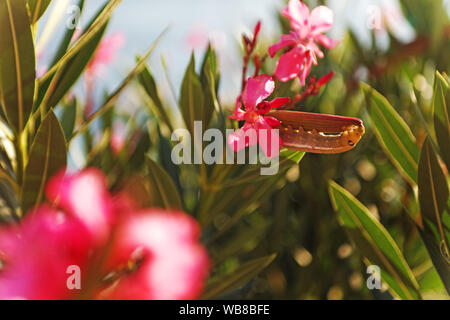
(193, 22)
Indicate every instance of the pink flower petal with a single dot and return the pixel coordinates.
(279, 102)
(298, 14)
(37, 254)
(256, 90)
(86, 197)
(242, 138)
(291, 63)
(268, 138)
(321, 20)
(287, 40)
(174, 265)
(306, 68)
(326, 41)
(272, 122)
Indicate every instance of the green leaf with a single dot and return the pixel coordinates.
(68, 118)
(163, 188)
(393, 134)
(191, 98)
(47, 157)
(17, 63)
(55, 88)
(148, 83)
(441, 111)
(165, 150)
(434, 204)
(209, 78)
(295, 156)
(230, 282)
(137, 159)
(37, 9)
(374, 242)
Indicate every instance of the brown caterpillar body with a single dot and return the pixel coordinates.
(318, 133)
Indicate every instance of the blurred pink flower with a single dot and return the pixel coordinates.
(302, 41)
(256, 91)
(170, 263)
(36, 255)
(197, 37)
(84, 224)
(105, 54)
(86, 197)
(118, 139)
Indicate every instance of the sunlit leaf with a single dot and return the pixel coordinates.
(230, 282)
(47, 157)
(17, 63)
(99, 23)
(37, 9)
(393, 134)
(374, 242)
(295, 156)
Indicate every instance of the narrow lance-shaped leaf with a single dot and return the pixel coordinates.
(66, 39)
(209, 78)
(441, 110)
(149, 84)
(52, 90)
(68, 118)
(434, 204)
(191, 98)
(165, 150)
(374, 243)
(48, 155)
(163, 189)
(17, 63)
(393, 134)
(230, 282)
(37, 9)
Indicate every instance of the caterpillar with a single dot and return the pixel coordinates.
(318, 133)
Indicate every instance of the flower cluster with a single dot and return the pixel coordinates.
(302, 42)
(122, 252)
(256, 108)
(301, 51)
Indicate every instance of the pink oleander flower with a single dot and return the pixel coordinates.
(36, 254)
(169, 261)
(105, 54)
(255, 92)
(302, 41)
(85, 225)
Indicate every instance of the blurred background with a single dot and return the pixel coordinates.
(194, 23)
(393, 45)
